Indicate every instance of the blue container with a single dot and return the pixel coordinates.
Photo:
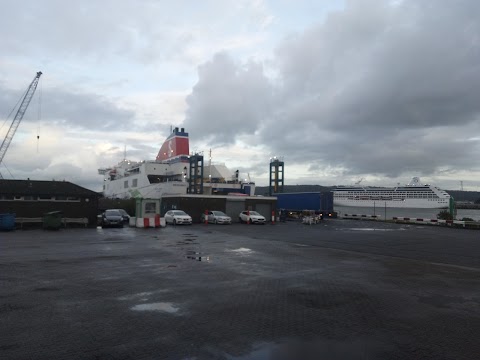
(7, 221)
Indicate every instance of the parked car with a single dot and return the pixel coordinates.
(112, 217)
(125, 216)
(177, 217)
(251, 217)
(217, 217)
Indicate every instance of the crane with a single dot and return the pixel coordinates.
(19, 116)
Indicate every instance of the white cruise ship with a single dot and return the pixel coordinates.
(168, 174)
(413, 195)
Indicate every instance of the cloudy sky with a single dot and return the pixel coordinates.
(378, 90)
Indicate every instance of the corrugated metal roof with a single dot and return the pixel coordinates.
(40, 187)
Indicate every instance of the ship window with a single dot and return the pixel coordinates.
(29, 198)
(135, 182)
(125, 184)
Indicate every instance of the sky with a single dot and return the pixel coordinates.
(376, 91)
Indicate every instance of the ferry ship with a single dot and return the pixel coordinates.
(168, 174)
(412, 195)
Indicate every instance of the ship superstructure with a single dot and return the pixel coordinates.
(169, 174)
(412, 195)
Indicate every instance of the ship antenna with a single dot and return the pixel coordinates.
(210, 165)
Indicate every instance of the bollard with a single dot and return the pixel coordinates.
(206, 217)
(273, 217)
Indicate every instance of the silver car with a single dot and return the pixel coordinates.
(251, 217)
(177, 217)
(217, 217)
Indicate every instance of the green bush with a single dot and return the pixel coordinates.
(444, 215)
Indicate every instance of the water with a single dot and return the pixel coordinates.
(405, 212)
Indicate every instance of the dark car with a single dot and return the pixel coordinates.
(126, 217)
(111, 218)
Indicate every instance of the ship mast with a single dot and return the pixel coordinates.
(210, 166)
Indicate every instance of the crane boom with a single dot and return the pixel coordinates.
(19, 116)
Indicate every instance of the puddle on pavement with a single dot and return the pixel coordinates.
(141, 295)
(372, 229)
(160, 306)
(197, 256)
(242, 251)
(103, 278)
(135, 296)
(364, 348)
(186, 242)
(46, 288)
(261, 352)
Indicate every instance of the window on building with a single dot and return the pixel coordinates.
(45, 198)
(125, 184)
(150, 208)
(134, 182)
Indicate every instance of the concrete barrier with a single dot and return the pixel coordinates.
(429, 221)
(150, 222)
(360, 216)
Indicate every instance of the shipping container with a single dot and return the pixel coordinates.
(318, 202)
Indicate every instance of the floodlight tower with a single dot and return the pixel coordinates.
(195, 179)
(276, 176)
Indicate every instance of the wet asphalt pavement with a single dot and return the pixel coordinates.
(337, 290)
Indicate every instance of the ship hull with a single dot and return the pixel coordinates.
(153, 191)
(410, 203)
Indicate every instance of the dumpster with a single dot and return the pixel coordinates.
(52, 220)
(7, 222)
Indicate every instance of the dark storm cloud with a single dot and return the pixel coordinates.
(378, 88)
(227, 100)
(75, 110)
(90, 111)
